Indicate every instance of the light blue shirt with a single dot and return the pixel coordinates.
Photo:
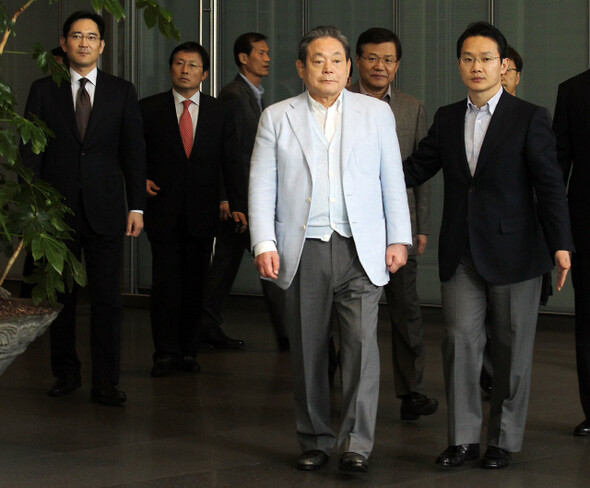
(477, 121)
(257, 90)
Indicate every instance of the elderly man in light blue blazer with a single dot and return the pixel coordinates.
(328, 219)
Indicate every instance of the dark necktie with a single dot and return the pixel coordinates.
(83, 108)
(185, 124)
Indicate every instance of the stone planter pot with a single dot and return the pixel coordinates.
(16, 333)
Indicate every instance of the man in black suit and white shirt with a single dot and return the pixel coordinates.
(96, 158)
(190, 138)
(505, 220)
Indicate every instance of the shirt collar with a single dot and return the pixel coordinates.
(491, 103)
(91, 77)
(317, 107)
(386, 96)
(258, 90)
(178, 98)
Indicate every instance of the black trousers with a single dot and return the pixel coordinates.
(103, 256)
(581, 282)
(179, 267)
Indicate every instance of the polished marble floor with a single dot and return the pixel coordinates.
(232, 426)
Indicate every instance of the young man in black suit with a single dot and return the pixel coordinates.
(190, 138)
(96, 158)
(505, 220)
(571, 124)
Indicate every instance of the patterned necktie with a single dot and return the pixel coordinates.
(186, 129)
(83, 108)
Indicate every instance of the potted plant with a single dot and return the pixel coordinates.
(31, 211)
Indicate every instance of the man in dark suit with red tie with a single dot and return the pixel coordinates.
(95, 159)
(189, 140)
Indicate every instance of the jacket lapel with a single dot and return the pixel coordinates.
(301, 120)
(251, 97)
(499, 126)
(352, 114)
(458, 129)
(100, 106)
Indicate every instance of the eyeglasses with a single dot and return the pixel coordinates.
(470, 60)
(513, 69)
(386, 60)
(91, 38)
(181, 64)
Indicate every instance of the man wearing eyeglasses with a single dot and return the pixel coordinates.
(190, 139)
(497, 153)
(378, 55)
(511, 78)
(95, 159)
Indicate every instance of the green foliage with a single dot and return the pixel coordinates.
(153, 14)
(32, 212)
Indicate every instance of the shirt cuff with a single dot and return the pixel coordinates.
(264, 246)
(137, 211)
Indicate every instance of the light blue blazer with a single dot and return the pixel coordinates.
(282, 175)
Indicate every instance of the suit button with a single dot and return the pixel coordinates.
(308, 200)
(304, 227)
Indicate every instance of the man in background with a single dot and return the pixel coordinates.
(378, 55)
(189, 141)
(244, 94)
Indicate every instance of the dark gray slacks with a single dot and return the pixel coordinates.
(229, 251)
(329, 274)
(513, 310)
(407, 344)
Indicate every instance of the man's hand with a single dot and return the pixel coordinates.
(240, 220)
(224, 213)
(134, 224)
(151, 189)
(422, 240)
(562, 259)
(396, 256)
(267, 264)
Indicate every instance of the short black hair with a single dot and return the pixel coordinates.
(243, 44)
(191, 47)
(320, 32)
(512, 53)
(84, 14)
(378, 35)
(484, 29)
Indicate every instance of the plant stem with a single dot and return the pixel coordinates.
(7, 31)
(12, 259)
(18, 52)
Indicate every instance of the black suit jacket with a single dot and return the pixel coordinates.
(246, 110)
(571, 124)
(109, 163)
(511, 233)
(189, 187)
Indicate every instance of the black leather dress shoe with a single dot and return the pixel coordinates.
(312, 460)
(495, 458)
(353, 462)
(216, 339)
(163, 367)
(455, 456)
(189, 364)
(106, 393)
(415, 404)
(582, 429)
(64, 385)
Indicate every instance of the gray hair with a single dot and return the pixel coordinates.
(319, 32)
